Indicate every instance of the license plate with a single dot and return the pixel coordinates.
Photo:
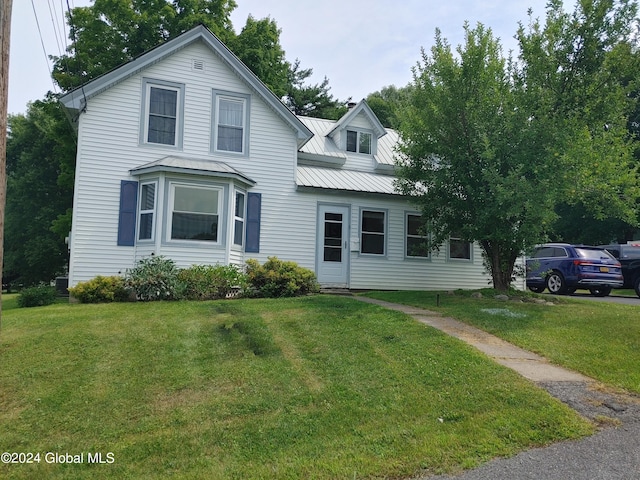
(604, 269)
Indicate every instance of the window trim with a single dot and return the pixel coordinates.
(407, 235)
(147, 84)
(243, 219)
(459, 259)
(152, 211)
(170, 203)
(217, 95)
(384, 234)
(359, 132)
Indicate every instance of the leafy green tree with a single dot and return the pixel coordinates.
(386, 104)
(491, 146)
(258, 46)
(40, 159)
(112, 32)
(587, 61)
(311, 100)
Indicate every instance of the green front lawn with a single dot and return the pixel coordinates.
(314, 387)
(598, 339)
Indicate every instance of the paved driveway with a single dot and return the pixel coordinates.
(610, 298)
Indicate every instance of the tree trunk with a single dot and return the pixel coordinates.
(500, 261)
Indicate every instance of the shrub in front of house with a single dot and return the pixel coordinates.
(37, 296)
(210, 282)
(279, 278)
(154, 278)
(101, 290)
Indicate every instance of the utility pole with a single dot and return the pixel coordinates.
(5, 40)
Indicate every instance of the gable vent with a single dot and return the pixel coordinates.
(197, 64)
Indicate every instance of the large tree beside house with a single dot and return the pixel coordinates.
(492, 145)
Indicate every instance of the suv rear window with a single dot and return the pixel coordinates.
(592, 253)
(548, 252)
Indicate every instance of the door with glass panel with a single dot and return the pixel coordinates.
(333, 245)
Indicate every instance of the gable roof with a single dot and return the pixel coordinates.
(364, 108)
(76, 99)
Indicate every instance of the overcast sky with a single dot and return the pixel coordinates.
(359, 45)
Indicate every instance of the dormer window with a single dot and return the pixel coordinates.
(358, 142)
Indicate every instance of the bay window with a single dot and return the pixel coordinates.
(195, 213)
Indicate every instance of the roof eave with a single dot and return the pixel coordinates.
(144, 170)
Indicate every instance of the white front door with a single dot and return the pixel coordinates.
(333, 245)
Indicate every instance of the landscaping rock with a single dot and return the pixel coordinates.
(476, 295)
(504, 298)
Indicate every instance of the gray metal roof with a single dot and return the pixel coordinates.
(322, 147)
(347, 180)
(192, 166)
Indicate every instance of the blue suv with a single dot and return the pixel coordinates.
(562, 268)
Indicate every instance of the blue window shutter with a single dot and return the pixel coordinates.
(254, 202)
(127, 217)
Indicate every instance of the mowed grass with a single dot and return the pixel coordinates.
(598, 339)
(317, 387)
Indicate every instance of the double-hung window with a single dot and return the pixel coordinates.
(147, 211)
(416, 241)
(195, 213)
(238, 220)
(459, 249)
(162, 122)
(358, 142)
(231, 123)
(372, 232)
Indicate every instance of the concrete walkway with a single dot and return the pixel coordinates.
(529, 365)
(611, 454)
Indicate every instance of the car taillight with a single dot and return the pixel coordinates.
(581, 262)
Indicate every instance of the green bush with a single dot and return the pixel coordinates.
(100, 290)
(37, 296)
(279, 278)
(154, 278)
(210, 282)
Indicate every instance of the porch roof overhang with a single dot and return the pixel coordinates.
(345, 180)
(193, 167)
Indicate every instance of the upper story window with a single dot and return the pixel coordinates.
(194, 212)
(147, 211)
(163, 110)
(230, 123)
(358, 142)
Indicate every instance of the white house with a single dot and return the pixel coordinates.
(183, 152)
